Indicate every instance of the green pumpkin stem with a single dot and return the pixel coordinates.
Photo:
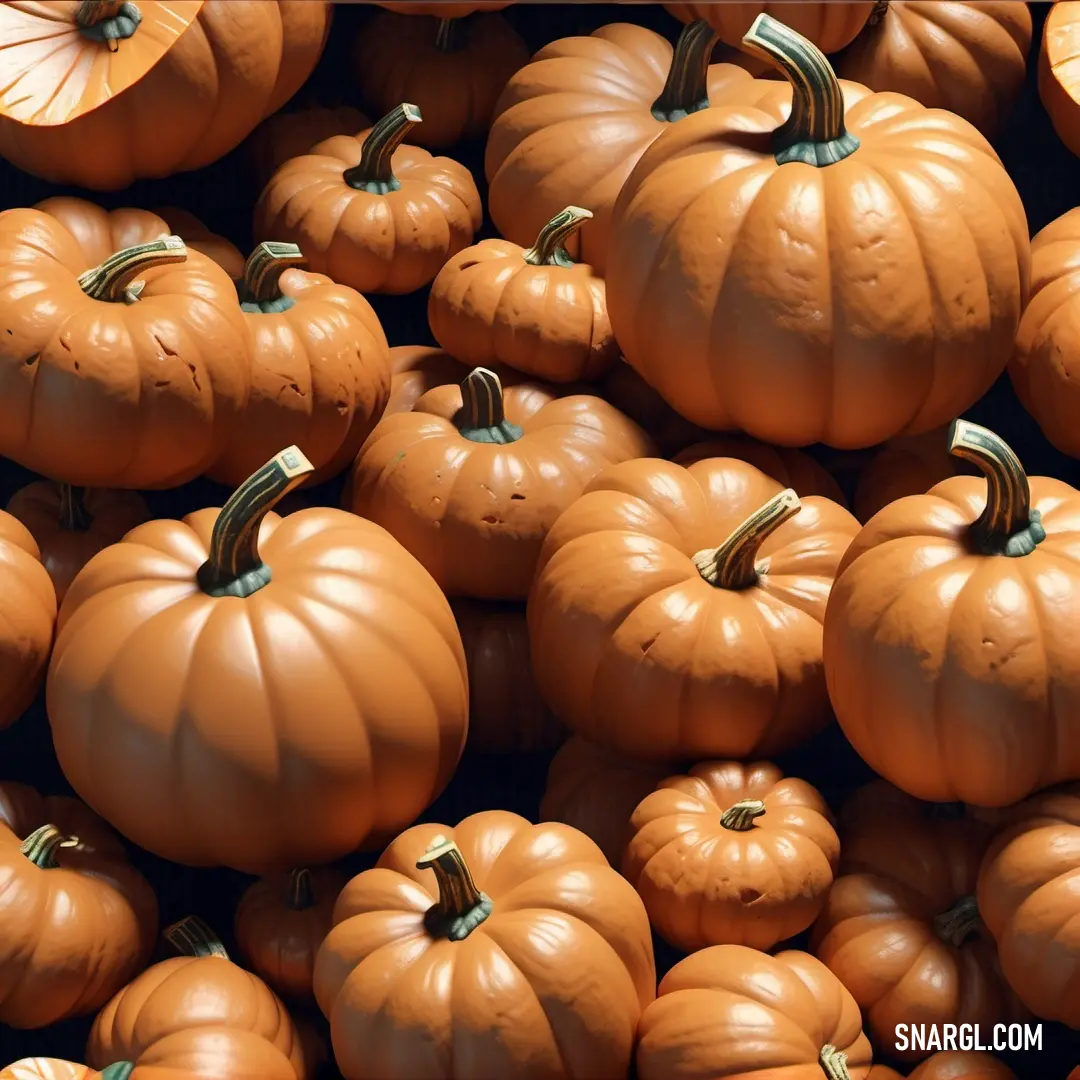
(42, 846)
(461, 906)
(374, 173)
(814, 133)
(686, 90)
(301, 894)
(235, 567)
(482, 417)
(191, 936)
(110, 21)
(74, 517)
(447, 38)
(733, 565)
(957, 924)
(260, 292)
(1008, 525)
(120, 1070)
(550, 246)
(739, 817)
(112, 280)
(833, 1063)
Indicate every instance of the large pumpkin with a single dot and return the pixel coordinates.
(204, 696)
(1059, 87)
(534, 956)
(290, 134)
(766, 274)
(676, 612)
(830, 26)
(102, 93)
(948, 638)
(951, 1065)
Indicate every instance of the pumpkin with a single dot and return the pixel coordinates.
(70, 525)
(371, 212)
(473, 477)
(731, 854)
(573, 122)
(453, 69)
(631, 394)
(767, 245)
(231, 636)
(55, 1069)
(969, 58)
(961, 1065)
(199, 238)
(289, 134)
(149, 89)
(735, 1012)
(320, 368)
(180, 1015)
(535, 957)
(280, 923)
(77, 920)
(506, 713)
(218, 1055)
(1027, 895)
(829, 26)
(948, 633)
(1059, 88)
(676, 612)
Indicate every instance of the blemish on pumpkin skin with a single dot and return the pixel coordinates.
(165, 348)
(490, 519)
(517, 496)
(648, 643)
(749, 896)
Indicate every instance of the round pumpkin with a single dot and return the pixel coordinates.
(290, 134)
(948, 633)
(735, 1012)
(830, 26)
(731, 854)
(667, 597)
(532, 308)
(280, 923)
(767, 245)
(77, 920)
(149, 88)
(1027, 895)
(473, 477)
(371, 212)
(969, 58)
(198, 237)
(1059, 87)
(534, 955)
(204, 696)
(572, 123)
(453, 69)
(960, 1065)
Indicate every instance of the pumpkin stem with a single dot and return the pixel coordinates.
(957, 924)
(74, 517)
(374, 174)
(739, 817)
(1007, 525)
(190, 936)
(686, 90)
(482, 417)
(107, 20)
(550, 246)
(259, 289)
(732, 565)
(833, 1063)
(301, 890)
(878, 13)
(461, 906)
(112, 279)
(42, 845)
(447, 38)
(814, 133)
(234, 567)
(120, 1070)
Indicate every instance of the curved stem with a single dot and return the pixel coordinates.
(120, 1070)
(112, 279)
(301, 890)
(259, 290)
(74, 517)
(739, 817)
(483, 414)
(192, 937)
(42, 845)
(686, 89)
(110, 21)
(833, 1063)
(550, 246)
(814, 133)
(732, 564)
(374, 173)
(958, 923)
(878, 13)
(447, 39)
(234, 567)
(461, 906)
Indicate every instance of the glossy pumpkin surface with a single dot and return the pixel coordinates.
(1059, 71)
(829, 26)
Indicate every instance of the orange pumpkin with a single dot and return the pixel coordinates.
(752, 246)
(290, 134)
(196, 236)
(280, 923)
(1059, 87)
(731, 854)
(534, 309)
(453, 69)
(534, 955)
(735, 1012)
(961, 1065)
(949, 634)
(371, 212)
(969, 58)
(1027, 896)
(473, 477)
(228, 636)
(573, 122)
(829, 26)
(654, 635)
(149, 89)
(55, 1069)
(631, 394)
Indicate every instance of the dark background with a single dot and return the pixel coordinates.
(223, 196)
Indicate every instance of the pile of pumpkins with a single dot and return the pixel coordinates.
(587, 510)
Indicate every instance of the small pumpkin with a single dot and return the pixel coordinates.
(676, 612)
(199, 238)
(231, 634)
(77, 921)
(371, 212)
(731, 854)
(453, 69)
(735, 1012)
(534, 954)
(280, 923)
(946, 636)
(829, 26)
(287, 135)
(1059, 88)
(534, 309)
(473, 477)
